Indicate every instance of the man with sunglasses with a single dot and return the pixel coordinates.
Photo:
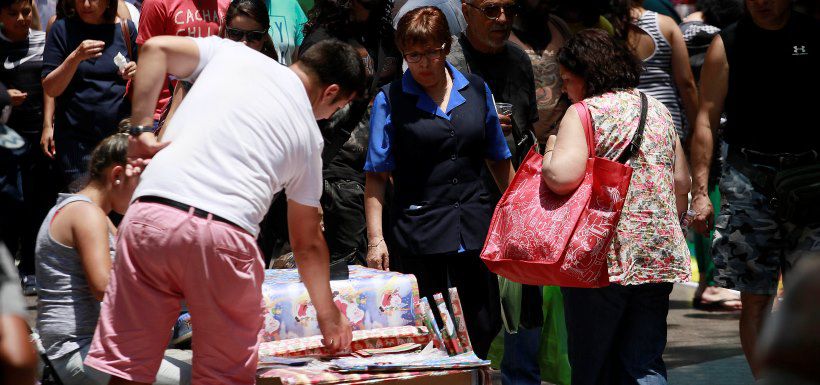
(483, 49)
(190, 230)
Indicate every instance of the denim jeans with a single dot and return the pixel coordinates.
(520, 363)
(617, 334)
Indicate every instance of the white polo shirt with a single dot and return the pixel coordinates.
(244, 131)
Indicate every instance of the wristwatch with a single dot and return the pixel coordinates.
(137, 130)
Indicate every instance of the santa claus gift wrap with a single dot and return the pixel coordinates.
(370, 299)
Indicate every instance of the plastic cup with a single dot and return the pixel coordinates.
(504, 108)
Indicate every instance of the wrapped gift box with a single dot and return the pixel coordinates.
(362, 339)
(370, 299)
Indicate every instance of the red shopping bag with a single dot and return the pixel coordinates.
(537, 237)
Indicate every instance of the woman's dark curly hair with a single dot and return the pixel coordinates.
(605, 63)
(620, 16)
(336, 17)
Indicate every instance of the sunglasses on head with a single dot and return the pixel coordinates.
(239, 34)
(493, 11)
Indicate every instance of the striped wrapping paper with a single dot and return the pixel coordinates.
(458, 317)
(449, 331)
(430, 322)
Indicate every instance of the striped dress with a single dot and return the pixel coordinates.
(656, 78)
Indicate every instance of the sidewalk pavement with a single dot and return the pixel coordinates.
(725, 371)
(703, 348)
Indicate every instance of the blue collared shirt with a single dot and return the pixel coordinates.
(379, 154)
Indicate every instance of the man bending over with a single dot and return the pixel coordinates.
(246, 130)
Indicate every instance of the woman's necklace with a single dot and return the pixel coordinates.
(448, 84)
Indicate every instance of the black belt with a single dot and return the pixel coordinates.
(182, 206)
(761, 168)
(777, 161)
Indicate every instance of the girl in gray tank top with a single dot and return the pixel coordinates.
(67, 311)
(74, 252)
(74, 256)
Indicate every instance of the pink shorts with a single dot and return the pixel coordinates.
(164, 255)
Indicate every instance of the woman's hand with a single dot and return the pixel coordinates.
(377, 256)
(47, 141)
(128, 71)
(17, 97)
(89, 49)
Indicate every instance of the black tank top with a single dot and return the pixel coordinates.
(774, 83)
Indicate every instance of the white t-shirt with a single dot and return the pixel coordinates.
(245, 131)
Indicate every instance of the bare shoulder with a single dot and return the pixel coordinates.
(76, 218)
(83, 213)
(667, 25)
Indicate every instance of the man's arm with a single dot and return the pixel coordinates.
(178, 56)
(313, 261)
(713, 89)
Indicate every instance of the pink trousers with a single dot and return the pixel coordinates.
(164, 255)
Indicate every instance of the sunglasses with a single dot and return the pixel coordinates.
(493, 11)
(239, 34)
(415, 57)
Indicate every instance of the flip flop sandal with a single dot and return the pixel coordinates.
(714, 306)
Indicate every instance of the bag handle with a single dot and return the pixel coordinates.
(126, 35)
(635, 143)
(583, 113)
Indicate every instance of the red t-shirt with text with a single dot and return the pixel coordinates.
(194, 18)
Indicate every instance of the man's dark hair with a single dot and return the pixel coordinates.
(605, 63)
(8, 3)
(335, 62)
(720, 13)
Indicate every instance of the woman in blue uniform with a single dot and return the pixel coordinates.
(432, 134)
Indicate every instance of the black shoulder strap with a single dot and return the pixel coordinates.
(635, 143)
(387, 90)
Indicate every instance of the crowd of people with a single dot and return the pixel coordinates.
(144, 173)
